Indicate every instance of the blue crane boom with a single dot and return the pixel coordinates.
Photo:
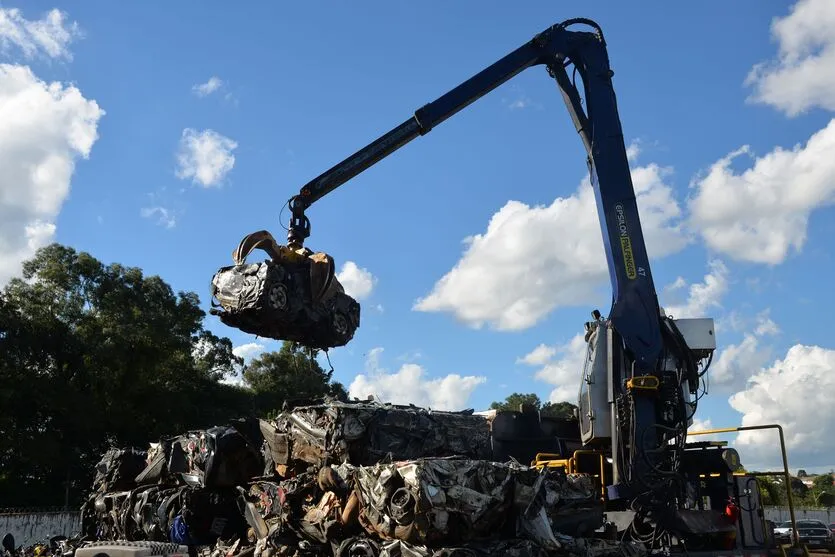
(635, 310)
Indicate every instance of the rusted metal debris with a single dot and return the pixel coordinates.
(294, 295)
(343, 479)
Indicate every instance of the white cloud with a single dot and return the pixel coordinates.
(44, 129)
(700, 425)
(734, 364)
(522, 102)
(532, 260)
(794, 392)
(704, 425)
(50, 36)
(803, 74)
(249, 350)
(760, 324)
(678, 284)
(164, 216)
(633, 150)
(358, 282)
(205, 157)
(563, 372)
(372, 360)
(204, 89)
(410, 356)
(761, 213)
(410, 385)
(519, 100)
(702, 296)
(246, 351)
(765, 325)
(538, 356)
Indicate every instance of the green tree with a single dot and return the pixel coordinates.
(771, 493)
(95, 355)
(514, 401)
(564, 410)
(291, 375)
(823, 491)
(822, 482)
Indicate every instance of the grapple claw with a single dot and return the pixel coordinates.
(294, 295)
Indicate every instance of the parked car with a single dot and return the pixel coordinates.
(782, 532)
(814, 534)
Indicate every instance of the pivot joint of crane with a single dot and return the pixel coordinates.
(299, 229)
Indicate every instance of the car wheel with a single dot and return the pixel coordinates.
(340, 324)
(277, 297)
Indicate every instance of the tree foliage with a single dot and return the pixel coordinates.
(514, 401)
(95, 355)
(291, 375)
(820, 494)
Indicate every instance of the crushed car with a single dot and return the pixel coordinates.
(362, 433)
(294, 295)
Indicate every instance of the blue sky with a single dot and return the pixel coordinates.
(169, 176)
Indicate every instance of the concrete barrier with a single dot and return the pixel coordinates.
(29, 528)
(781, 514)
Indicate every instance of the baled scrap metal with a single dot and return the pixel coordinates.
(506, 548)
(183, 477)
(364, 434)
(316, 507)
(118, 469)
(188, 515)
(438, 501)
(363, 546)
(580, 510)
(220, 456)
(599, 547)
(344, 479)
(509, 547)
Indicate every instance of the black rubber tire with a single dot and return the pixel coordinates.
(277, 297)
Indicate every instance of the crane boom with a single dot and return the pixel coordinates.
(635, 311)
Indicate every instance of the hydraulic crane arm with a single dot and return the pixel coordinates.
(635, 311)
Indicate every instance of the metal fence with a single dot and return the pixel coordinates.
(781, 514)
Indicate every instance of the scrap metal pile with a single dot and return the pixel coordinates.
(342, 479)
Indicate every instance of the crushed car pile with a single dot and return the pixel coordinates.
(343, 479)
